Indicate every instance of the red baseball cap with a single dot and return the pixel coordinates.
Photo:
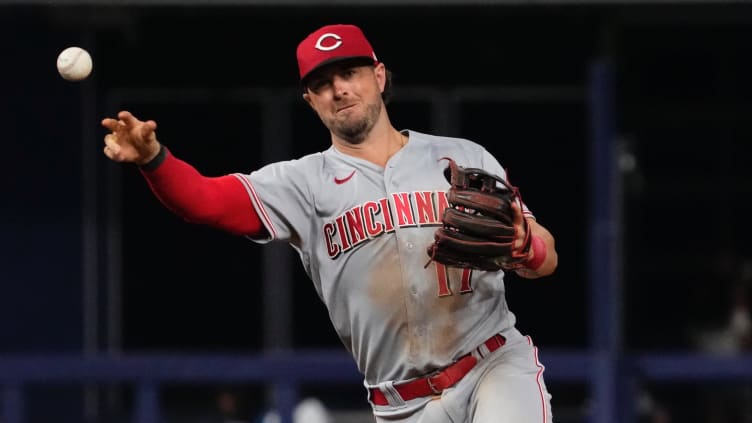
(330, 44)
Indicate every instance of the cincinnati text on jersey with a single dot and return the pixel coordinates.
(375, 218)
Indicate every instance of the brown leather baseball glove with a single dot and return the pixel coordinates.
(478, 230)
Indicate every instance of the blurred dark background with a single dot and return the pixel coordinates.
(91, 260)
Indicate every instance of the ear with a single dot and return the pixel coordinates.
(380, 71)
(307, 98)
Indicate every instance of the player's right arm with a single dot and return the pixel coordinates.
(221, 202)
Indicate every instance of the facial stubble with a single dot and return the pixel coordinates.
(355, 132)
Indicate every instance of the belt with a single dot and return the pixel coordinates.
(438, 381)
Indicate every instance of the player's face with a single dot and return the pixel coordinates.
(347, 98)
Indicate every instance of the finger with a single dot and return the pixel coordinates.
(108, 152)
(519, 226)
(127, 117)
(148, 128)
(110, 123)
(110, 141)
(517, 213)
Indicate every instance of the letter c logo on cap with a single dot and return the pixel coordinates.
(319, 44)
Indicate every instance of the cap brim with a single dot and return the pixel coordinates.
(333, 60)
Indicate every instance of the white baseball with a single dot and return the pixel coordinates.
(74, 63)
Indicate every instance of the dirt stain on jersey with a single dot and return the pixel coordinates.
(402, 305)
(385, 289)
(445, 336)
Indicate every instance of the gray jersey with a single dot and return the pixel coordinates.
(362, 232)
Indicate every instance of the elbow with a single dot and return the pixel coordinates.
(214, 219)
(231, 220)
(195, 215)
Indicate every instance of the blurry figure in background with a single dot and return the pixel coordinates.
(735, 336)
(310, 410)
(730, 402)
(740, 324)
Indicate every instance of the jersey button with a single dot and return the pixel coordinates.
(409, 245)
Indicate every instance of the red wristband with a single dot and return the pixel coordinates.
(539, 253)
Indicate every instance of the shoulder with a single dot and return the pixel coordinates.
(297, 171)
(310, 169)
(448, 143)
(443, 140)
(461, 150)
(301, 163)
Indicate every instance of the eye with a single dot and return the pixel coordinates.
(317, 85)
(349, 72)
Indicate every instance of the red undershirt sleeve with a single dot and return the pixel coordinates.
(221, 202)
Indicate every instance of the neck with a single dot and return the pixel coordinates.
(379, 146)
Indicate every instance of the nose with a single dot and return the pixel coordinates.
(340, 86)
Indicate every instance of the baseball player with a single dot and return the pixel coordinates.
(435, 343)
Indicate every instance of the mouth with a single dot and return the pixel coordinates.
(344, 108)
